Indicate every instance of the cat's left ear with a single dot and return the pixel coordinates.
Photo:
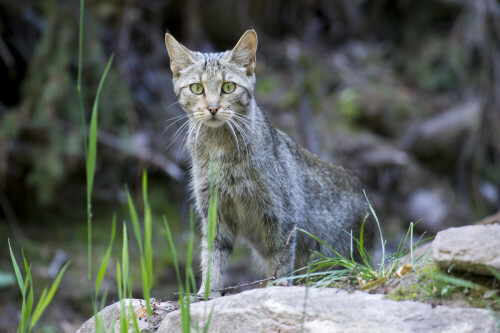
(243, 53)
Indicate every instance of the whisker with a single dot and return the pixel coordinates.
(178, 133)
(229, 122)
(180, 129)
(242, 132)
(244, 122)
(241, 115)
(182, 145)
(174, 117)
(196, 136)
(245, 137)
(181, 118)
(243, 119)
(171, 105)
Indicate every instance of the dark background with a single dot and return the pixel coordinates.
(405, 93)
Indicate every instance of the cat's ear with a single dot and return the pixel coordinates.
(179, 54)
(243, 53)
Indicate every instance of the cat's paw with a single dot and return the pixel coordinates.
(283, 283)
(194, 298)
(213, 294)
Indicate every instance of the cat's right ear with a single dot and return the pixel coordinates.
(178, 53)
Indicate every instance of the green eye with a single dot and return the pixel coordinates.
(228, 87)
(196, 88)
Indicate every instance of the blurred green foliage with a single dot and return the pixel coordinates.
(47, 118)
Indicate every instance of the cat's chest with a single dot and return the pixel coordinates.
(236, 179)
(241, 191)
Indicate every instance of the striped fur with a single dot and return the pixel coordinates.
(269, 185)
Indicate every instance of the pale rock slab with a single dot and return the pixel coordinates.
(296, 309)
(110, 316)
(471, 248)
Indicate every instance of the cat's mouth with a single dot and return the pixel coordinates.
(214, 122)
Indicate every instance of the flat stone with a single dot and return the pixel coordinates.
(474, 248)
(110, 316)
(296, 309)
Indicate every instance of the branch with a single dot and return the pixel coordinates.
(137, 147)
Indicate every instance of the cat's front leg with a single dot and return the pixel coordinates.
(280, 251)
(216, 260)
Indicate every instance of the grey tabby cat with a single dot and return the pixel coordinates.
(268, 184)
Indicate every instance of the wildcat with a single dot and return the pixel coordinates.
(268, 184)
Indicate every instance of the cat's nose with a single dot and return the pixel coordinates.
(213, 108)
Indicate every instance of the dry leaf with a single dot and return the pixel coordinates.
(141, 313)
(403, 269)
(373, 284)
(360, 281)
(491, 293)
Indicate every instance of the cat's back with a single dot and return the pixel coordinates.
(317, 170)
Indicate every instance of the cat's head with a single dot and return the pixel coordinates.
(214, 87)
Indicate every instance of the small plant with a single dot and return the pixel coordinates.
(477, 291)
(143, 239)
(211, 220)
(495, 315)
(325, 271)
(435, 286)
(124, 287)
(444, 285)
(190, 283)
(30, 315)
(145, 248)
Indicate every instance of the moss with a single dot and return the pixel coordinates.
(406, 293)
(432, 285)
(348, 104)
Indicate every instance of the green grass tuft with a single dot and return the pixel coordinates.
(326, 271)
(30, 316)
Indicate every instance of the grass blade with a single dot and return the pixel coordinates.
(19, 277)
(91, 157)
(27, 306)
(125, 263)
(79, 78)
(382, 263)
(135, 222)
(211, 221)
(104, 263)
(172, 249)
(134, 318)
(92, 148)
(119, 280)
(46, 298)
(189, 258)
(458, 281)
(148, 252)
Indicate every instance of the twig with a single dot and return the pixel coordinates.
(350, 272)
(283, 252)
(272, 278)
(239, 286)
(141, 151)
(348, 277)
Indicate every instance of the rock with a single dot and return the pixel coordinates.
(471, 248)
(495, 218)
(110, 315)
(436, 135)
(295, 309)
(430, 206)
(435, 210)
